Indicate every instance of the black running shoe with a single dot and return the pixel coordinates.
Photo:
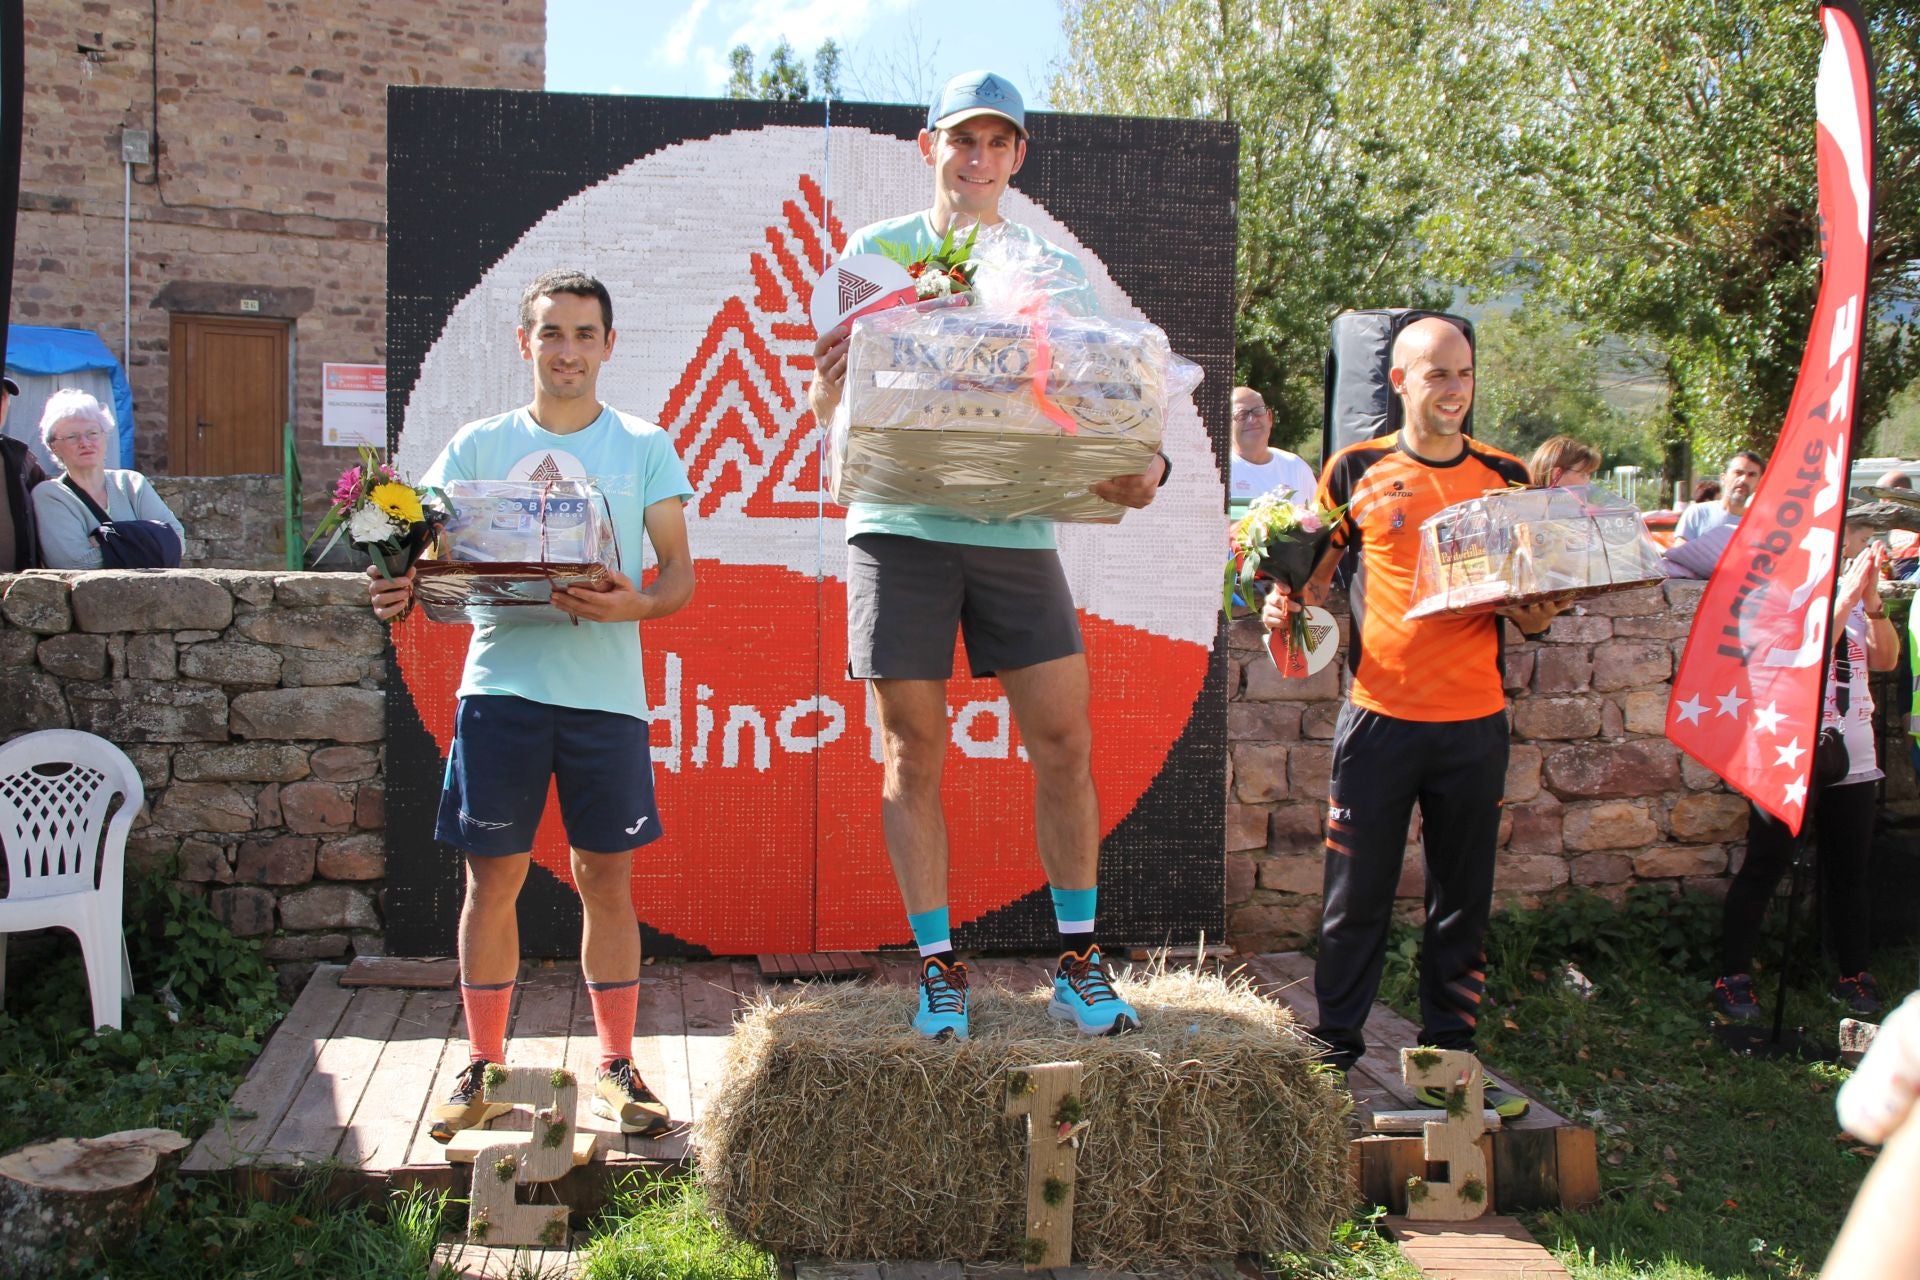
(1733, 999)
(1861, 995)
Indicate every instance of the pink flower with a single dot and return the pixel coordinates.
(347, 492)
(1310, 521)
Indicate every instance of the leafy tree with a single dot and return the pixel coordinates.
(826, 69)
(1329, 195)
(784, 79)
(1537, 377)
(1654, 176)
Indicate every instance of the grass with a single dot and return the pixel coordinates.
(202, 1230)
(1712, 1165)
(205, 1004)
(661, 1231)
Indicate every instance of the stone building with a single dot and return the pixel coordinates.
(251, 213)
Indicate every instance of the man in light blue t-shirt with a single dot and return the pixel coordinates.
(1736, 490)
(914, 575)
(561, 702)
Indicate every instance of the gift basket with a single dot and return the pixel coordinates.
(1523, 546)
(508, 544)
(997, 402)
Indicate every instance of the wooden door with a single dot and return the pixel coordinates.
(228, 395)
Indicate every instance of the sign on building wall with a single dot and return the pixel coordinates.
(353, 405)
(709, 221)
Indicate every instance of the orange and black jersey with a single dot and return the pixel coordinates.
(1438, 668)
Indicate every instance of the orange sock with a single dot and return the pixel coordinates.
(615, 1006)
(486, 1008)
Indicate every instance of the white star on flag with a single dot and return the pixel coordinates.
(1796, 794)
(1731, 702)
(1790, 754)
(1767, 720)
(1690, 710)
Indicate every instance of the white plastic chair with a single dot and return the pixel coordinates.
(65, 856)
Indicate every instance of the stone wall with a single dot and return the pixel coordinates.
(251, 704)
(268, 176)
(1596, 795)
(232, 522)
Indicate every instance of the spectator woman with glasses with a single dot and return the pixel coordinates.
(75, 427)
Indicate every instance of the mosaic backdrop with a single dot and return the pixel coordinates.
(709, 221)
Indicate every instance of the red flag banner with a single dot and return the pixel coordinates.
(1746, 698)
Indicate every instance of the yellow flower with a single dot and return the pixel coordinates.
(398, 501)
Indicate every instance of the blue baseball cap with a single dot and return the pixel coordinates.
(977, 93)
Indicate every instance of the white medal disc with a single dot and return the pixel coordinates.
(1323, 638)
(855, 285)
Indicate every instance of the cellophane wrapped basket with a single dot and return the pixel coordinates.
(1000, 403)
(1522, 546)
(508, 544)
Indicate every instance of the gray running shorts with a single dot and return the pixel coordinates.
(904, 596)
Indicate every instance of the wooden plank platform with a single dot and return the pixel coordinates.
(1489, 1248)
(346, 1081)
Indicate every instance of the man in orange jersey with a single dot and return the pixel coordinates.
(1426, 717)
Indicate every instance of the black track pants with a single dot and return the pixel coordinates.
(1457, 772)
(1843, 842)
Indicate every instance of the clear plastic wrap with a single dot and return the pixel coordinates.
(508, 544)
(1006, 406)
(1526, 545)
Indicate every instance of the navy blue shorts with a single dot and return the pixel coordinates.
(505, 749)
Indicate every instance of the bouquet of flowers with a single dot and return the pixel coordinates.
(940, 272)
(1282, 539)
(387, 518)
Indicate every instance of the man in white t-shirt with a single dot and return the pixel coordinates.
(559, 705)
(1741, 478)
(1258, 467)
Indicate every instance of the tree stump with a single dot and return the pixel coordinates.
(65, 1201)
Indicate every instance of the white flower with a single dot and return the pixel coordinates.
(370, 524)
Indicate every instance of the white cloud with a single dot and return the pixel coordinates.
(679, 38)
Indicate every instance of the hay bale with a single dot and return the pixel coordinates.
(838, 1133)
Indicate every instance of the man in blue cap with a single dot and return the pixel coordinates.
(915, 574)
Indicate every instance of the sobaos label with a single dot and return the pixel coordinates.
(767, 759)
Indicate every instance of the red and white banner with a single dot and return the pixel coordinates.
(1746, 698)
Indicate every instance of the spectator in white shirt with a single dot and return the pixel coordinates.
(1258, 467)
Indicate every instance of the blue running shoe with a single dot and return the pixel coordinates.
(1083, 996)
(943, 1000)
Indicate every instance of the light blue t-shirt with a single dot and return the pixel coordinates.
(596, 665)
(1701, 517)
(915, 231)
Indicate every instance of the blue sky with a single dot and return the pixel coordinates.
(892, 50)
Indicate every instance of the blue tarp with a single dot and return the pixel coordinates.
(41, 351)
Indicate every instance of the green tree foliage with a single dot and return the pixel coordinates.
(1537, 377)
(1330, 195)
(1644, 168)
(784, 78)
(1647, 166)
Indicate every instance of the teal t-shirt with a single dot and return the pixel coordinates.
(916, 232)
(596, 665)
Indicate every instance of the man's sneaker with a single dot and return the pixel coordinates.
(1860, 993)
(1733, 999)
(1508, 1106)
(467, 1107)
(943, 1000)
(1083, 995)
(620, 1095)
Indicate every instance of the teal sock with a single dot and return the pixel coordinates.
(931, 933)
(1073, 912)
